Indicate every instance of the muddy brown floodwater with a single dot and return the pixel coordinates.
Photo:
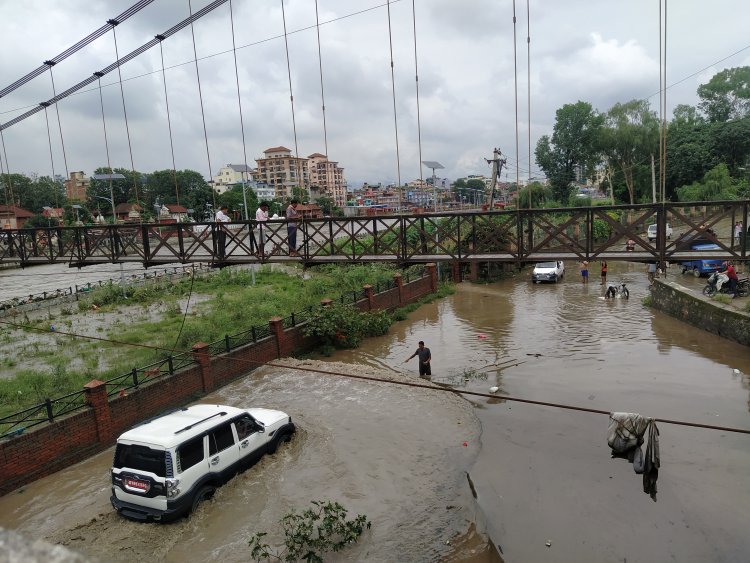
(546, 488)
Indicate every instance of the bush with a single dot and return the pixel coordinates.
(309, 535)
(343, 326)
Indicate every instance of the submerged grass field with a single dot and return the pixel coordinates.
(46, 360)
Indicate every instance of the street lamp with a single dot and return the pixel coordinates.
(435, 166)
(110, 176)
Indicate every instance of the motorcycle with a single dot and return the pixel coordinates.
(614, 291)
(718, 282)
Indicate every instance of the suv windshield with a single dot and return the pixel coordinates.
(140, 458)
(546, 265)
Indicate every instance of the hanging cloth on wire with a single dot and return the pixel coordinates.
(625, 436)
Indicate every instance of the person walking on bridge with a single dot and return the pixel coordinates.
(261, 217)
(424, 359)
(292, 216)
(221, 233)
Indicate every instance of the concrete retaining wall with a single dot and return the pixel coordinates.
(700, 311)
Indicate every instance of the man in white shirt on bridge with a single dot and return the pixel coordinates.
(221, 233)
(261, 216)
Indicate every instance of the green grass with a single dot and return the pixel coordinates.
(234, 305)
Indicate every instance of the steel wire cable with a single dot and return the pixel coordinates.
(320, 66)
(106, 148)
(239, 104)
(298, 164)
(393, 91)
(9, 178)
(135, 8)
(256, 363)
(169, 121)
(200, 97)
(416, 85)
(52, 159)
(59, 124)
(127, 127)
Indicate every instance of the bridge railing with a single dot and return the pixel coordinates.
(513, 235)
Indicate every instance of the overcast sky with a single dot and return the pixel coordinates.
(596, 51)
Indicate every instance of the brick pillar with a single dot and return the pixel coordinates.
(202, 355)
(399, 281)
(456, 270)
(474, 271)
(96, 398)
(431, 269)
(277, 329)
(370, 294)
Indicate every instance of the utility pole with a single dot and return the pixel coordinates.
(653, 179)
(497, 167)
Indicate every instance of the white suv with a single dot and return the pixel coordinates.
(165, 467)
(652, 232)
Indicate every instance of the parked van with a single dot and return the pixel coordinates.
(165, 467)
(703, 267)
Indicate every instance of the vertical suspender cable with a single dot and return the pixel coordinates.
(515, 87)
(59, 123)
(298, 166)
(200, 96)
(169, 120)
(114, 23)
(51, 159)
(239, 103)
(395, 118)
(9, 178)
(106, 148)
(320, 65)
(664, 127)
(416, 83)
(661, 103)
(528, 90)
(6, 183)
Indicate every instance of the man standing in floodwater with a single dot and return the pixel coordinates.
(584, 266)
(424, 359)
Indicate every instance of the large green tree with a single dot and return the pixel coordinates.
(627, 140)
(727, 95)
(572, 145)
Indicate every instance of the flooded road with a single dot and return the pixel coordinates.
(542, 475)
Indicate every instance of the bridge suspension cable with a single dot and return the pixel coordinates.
(106, 148)
(51, 159)
(320, 65)
(134, 9)
(395, 118)
(298, 166)
(59, 123)
(169, 119)
(239, 103)
(200, 97)
(125, 114)
(416, 84)
(129, 57)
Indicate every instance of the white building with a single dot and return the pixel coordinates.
(230, 175)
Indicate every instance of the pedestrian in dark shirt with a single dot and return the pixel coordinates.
(424, 359)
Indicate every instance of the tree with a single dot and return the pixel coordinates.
(686, 116)
(127, 190)
(717, 185)
(326, 204)
(300, 194)
(572, 145)
(628, 139)
(727, 95)
(234, 199)
(538, 193)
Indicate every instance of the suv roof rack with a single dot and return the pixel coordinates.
(189, 426)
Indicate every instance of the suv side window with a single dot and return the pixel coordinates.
(245, 426)
(220, 438)
(189, 453)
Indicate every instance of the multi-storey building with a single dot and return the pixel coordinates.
(76, 186)
(278, 168)
(328, 177)
(230, 175)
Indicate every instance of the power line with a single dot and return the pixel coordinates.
(256, 364)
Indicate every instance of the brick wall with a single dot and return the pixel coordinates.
(73, 438)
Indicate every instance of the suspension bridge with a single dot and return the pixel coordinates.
(514, 236)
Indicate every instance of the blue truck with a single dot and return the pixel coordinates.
(703, 267)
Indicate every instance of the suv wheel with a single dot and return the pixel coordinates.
(285, 437)
(204, 493)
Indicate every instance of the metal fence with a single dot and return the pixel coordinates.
(16, 423)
